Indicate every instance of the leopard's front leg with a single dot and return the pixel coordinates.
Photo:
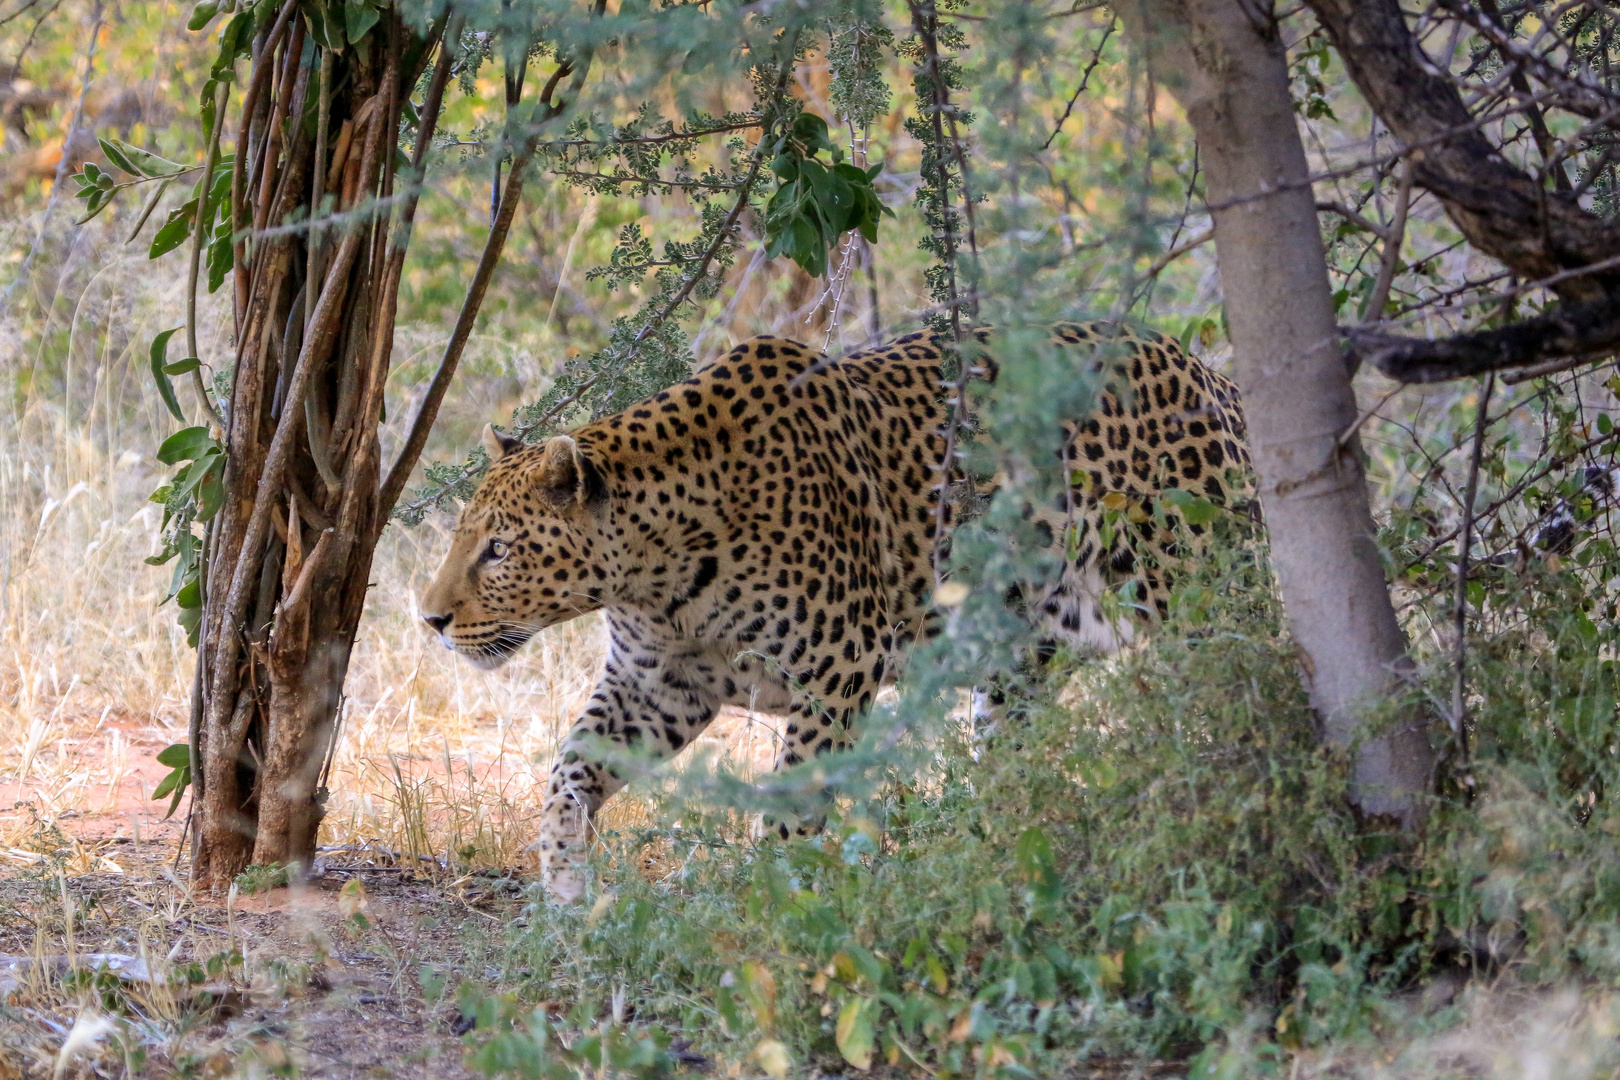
(814, 728)
(643, 703)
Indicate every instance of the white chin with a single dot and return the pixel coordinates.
(487, 661)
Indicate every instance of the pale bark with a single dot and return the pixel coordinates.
(1225, 64)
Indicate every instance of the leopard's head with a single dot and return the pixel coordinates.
(524, 553)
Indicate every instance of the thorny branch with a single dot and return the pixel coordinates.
(699, 271)
(1096, 57)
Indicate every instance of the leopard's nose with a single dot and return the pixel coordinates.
(438, 622)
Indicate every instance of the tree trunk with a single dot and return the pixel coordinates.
(291, 550)
(1225, 63)
(289, 556)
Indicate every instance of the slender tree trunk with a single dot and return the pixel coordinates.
(1225, 63)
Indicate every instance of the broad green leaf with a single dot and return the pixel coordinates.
(111, 148)
(202, 14)
(167, 784)
(160, 346)
(326, 24)
(221, 257)
(1035, 859)
(211, 492)
(174, 755)
(134, 160)
(187, 444)
(179, 791)
(234, 40)
(854, 1033)
(190, 620)
(192, 477)
(180, 367)
(174, 231)
(358, 18)
(1200, 512)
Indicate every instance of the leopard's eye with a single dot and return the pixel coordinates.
(497, 550)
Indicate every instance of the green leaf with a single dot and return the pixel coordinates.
(854, 1034)
(211, 492)
(190, 620)
(180, 367)
(326, 24)
(175, 755)
(189, 479)
(815, 204)
(235, 40)
(167, 784)
(1200, 512)
(187, 444)
(160, 347)
(1035, 859)
(221, 257)
(179, 791)
(174, 231)
(202, 14)
(138, 162)
(116, 155)
(358, 18)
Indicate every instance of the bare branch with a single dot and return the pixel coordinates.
(1501, 210)
(428, 411)
(1570, 331)
(1393, 237)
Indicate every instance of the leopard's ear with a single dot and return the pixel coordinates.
(497, 445)
(564, 474)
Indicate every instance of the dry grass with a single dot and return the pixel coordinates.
(436, 758)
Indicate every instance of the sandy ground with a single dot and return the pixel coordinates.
(314, 990)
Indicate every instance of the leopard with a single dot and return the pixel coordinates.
(765, 533)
